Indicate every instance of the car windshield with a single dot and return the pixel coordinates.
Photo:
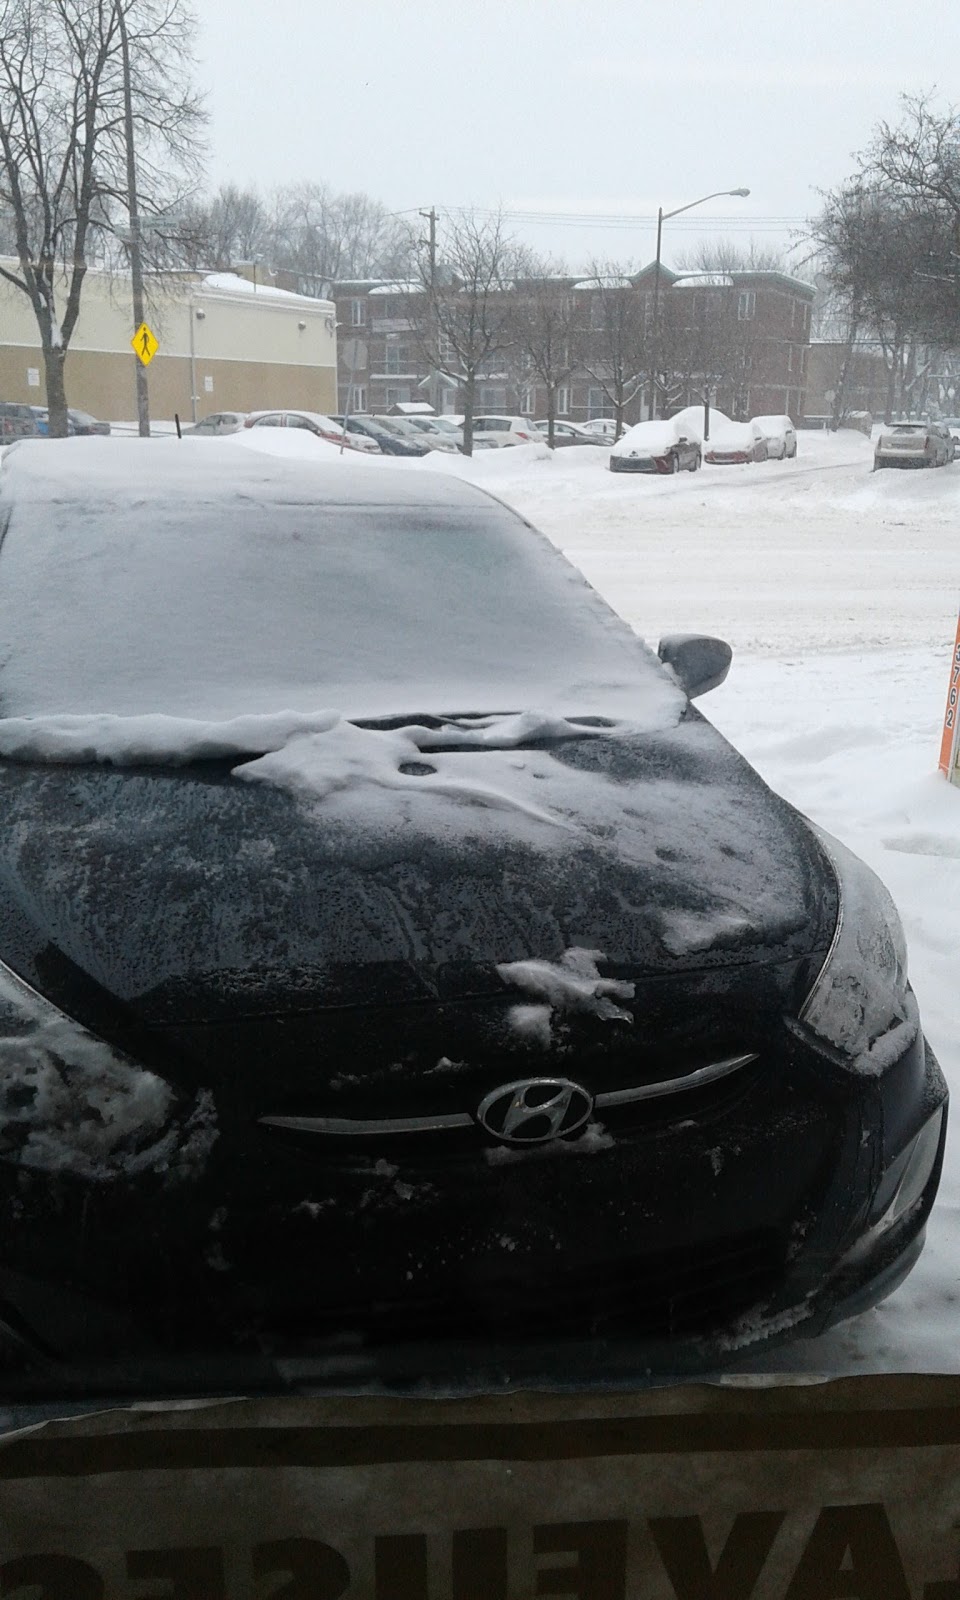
(148, 580)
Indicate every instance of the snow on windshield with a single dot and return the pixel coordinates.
(144, 579)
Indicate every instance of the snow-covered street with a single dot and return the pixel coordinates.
(838, 589)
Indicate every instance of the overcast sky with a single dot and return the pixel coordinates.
(569, 106)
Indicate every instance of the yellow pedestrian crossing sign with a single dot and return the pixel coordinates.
(145, 344)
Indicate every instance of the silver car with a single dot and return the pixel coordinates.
(914, 444)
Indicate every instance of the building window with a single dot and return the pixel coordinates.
(357, 398)
(597, 311)
(747, 306)
(358, 313)
(528, 401)
(445, 349)
(598, 405)
(397, 396)
(563, 401)
(398, 358)
(492, 397)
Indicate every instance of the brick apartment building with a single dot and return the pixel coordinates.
(744, 334)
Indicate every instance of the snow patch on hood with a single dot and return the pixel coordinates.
(571, 984)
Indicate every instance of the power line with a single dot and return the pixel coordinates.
(620, 220)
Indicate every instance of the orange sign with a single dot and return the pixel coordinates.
(949, 743)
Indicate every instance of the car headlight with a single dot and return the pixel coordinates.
(72, 1104)
(861, 992)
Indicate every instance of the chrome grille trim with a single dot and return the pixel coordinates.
(445, 1122)
(693, 1080)
(441, 1123)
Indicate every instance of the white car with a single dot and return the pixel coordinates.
(502, 431)
(691, 420)
(315, 422)
(780, 436)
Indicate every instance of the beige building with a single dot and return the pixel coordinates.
(226, 344)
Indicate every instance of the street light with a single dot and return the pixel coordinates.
(662, 217)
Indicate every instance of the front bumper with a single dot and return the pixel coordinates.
(652, 464)
(644, 1250)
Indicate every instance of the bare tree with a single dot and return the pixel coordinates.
(546, 327)
(323, 236)
(615, 348)
(468, 318)
(62, 148)
(726, 255)
(233, 226)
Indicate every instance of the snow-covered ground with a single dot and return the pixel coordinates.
(838, 589)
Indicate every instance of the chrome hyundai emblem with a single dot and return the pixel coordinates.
(534, 1110)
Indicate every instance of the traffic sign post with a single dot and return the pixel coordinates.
(950, 742)
(144, 344)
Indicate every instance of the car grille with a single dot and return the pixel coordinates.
(696, 1290)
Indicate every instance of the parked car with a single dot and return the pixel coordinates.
(501, 431)
(80, 424)
(388, 440)
(656, 447)
(780, 436)
(313, 422)
(606, 427)
(17, 421)
(569, 433)
(217, 424)
(914, 444)
(436, 432)
(732, 443)
(953, 424)
(693, 420)
(498, 1020)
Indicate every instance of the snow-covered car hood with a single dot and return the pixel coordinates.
(209, 892)
(647, 439)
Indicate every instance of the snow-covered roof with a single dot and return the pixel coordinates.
(233, 283)
(704, 280)
(397, 288)
(614, 282)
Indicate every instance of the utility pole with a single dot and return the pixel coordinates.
(133, 246)
(432, 322)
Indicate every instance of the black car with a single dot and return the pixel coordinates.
(401, 980)
(391, 443)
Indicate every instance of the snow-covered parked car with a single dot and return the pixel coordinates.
(732, 443)
(606, 427)
(914, 444)
(656, 447)
(692, 419)
(566, 434)
(779, 435)
(504, 431)
(317, 423)
(401, 981)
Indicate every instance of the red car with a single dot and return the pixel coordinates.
(735, 442)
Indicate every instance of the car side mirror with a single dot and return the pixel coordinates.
(699, 662)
